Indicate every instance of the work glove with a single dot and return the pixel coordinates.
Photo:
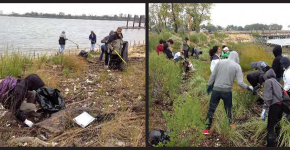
(250, 88)
(263, 114)
(256, 88)
(209, 89)
(28, 123)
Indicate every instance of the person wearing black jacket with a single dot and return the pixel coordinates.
(276, 65)
(17, 95)
(61, 41)
(166, 49)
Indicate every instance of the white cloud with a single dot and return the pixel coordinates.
(244, 14)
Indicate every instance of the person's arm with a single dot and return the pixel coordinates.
(240, 80)
(213, 64)
(268, 93)
(213, 75)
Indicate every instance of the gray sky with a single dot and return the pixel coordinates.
(244, 14)
(98, 9)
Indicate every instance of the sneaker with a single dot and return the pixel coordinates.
(205, 131)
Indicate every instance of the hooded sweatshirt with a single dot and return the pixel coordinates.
(272, 89)
(286, 75)
(276, 65)
(224, 74)
(258, 65)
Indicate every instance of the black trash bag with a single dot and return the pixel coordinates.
(83, 53)
(157, 136)
(50, 100)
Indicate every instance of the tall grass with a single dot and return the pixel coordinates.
(164, 76)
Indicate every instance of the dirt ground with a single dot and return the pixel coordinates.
(98, 91)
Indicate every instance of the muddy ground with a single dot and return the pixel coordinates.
(99, 91)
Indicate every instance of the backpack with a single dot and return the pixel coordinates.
(61, 41)
(6, 86)
(285, 99)
(83, 53)
(50, 100)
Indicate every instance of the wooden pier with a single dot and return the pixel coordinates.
(134, 22)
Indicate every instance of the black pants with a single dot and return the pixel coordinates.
(214, 101)
(106, 57)
(185, 53)
(273, 126)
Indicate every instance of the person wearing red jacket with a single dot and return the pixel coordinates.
(160, 47)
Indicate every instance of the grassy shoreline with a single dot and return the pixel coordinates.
(186, 115)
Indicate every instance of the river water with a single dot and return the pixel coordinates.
(42, 34)
(282, 42)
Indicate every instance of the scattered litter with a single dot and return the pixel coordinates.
(7, 125)
(24, 144)
(84, 119)
(111, 105)
(88, 81)
(54, 143)
(107, 93)
(66, 89)
(42, 136)
(75, 88)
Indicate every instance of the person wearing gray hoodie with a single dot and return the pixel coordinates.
(221, 81)
(259, 65)
(272, 97)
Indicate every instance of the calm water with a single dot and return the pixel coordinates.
(281, 42)
(42, 34)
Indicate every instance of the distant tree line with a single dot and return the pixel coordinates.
(120, 17)
(256, 26)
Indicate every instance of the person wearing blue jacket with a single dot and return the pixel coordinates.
(93, 39)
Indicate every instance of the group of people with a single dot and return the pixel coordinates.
(111, 42)
(225, 68)
(166, 48)
(62, 41)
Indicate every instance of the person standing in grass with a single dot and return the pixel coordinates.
(286, 75)
(214, 54)
(276, 65)
(167, 49)
(225, 52)
(159, 48)
(61, 41)
(185, 47)
(272, 97)
(220, 83)
(93, 39)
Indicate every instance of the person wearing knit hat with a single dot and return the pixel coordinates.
(276, 65)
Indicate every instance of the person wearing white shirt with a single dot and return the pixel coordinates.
(286, 75)
(214, 54)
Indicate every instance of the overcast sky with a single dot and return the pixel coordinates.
(244, 14)
(98, 9)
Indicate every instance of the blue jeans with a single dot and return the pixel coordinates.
(214, 101)
(103, 50)
(61, 48)
(93, 47)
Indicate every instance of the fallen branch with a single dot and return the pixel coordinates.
(34, 140)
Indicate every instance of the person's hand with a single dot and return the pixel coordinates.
(263, 114)
(250, 88)
(28, 123)
(208, 89)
